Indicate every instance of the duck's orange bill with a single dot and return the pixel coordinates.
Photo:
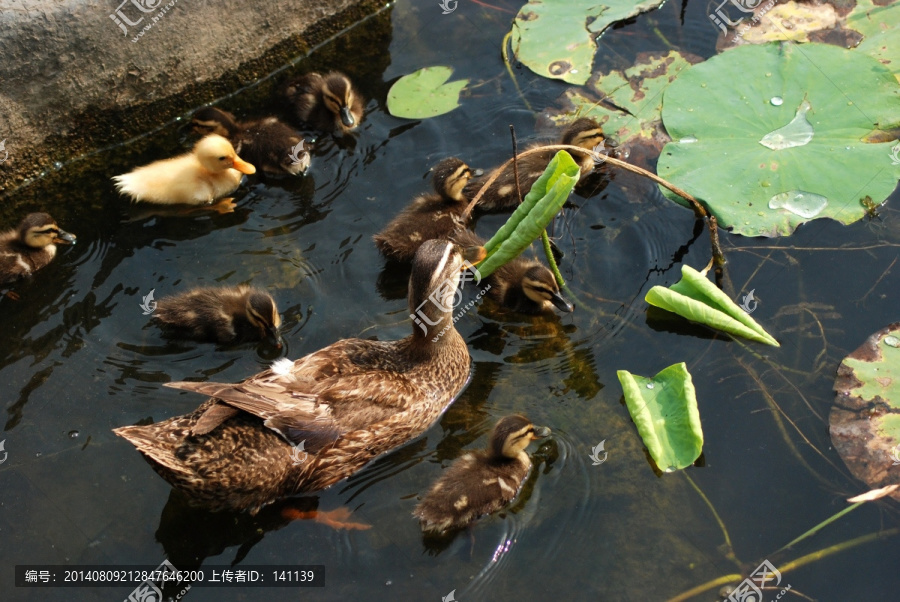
(242, 166)
(474, 255)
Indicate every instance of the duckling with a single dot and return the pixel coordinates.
(326, 102)
(501, 196)
(483, 481)
(210, 171)
(30, 247)
(304, 425)
(225, 314)
(430, 215)
(523, 285)
(267, 143)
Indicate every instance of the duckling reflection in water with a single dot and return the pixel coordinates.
(267, 143)
(30, 246)
(227, 314)
(481, 482)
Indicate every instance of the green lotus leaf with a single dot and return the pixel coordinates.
(769, 137)
(547, 196)
(697, 299)
(425, 93)
(556, 38)
(865, 418)
(881, 27)
(664, 410)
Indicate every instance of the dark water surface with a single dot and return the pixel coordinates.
(78, 358)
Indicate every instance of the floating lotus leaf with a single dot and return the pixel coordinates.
(881, 27)
(425, 93)
(762, 135)
(664, 410)
(636, 91)
(697, 299)
(547, 196)
(865, 418)
(555, 38)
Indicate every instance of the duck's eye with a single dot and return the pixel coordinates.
(222, 158)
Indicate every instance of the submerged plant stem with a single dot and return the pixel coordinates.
(729, 554)
(507, 40)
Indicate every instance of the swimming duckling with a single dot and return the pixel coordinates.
(267, 143)
(225, 314)
(430, 216)
(30, 247)
(483, 481)
(307, 424)
(523, 285)
(501, 196)
(326, 102)
(203, 175)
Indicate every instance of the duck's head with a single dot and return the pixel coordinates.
(434, 283)
(39, 230)
(450, 178)
(211, 120)
(540, 286)
(512, 434)
(263, 314)
(341, 99)
(216, 154)
(583, 132)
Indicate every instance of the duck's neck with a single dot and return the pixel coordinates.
(432, 318)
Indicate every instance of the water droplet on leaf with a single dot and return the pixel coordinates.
(777, 101)
(799, 202)
(892, 341)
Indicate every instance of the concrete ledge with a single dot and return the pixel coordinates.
(78, 75)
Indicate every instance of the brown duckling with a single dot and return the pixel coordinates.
(502, 196)
(224, 314)
(30, 247)
(326, 102)
(483, 481)
(430, 216)
(523, 285)
(209, 172)
(267, 143)
(304, 425)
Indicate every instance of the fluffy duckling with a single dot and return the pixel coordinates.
(304, 425)
(430, 216)
(501, 196)
(225, 314)
(523, 285)
(30, 247)
(210, 171)
(483, 481)
(267, 143)
(326, 102)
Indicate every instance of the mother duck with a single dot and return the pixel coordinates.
(304, 425)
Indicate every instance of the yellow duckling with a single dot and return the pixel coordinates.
(483, 481)
(210, 171)
(326, 102)
(30, 247)
(502, 196)
(267, 143)
(430, 216)
(224, 314)
(304, 425)
(523, 285)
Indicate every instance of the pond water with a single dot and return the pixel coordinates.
(78, 358)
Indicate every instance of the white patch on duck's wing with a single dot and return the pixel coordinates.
(505, 487)
(21, 263)
(461, 503)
